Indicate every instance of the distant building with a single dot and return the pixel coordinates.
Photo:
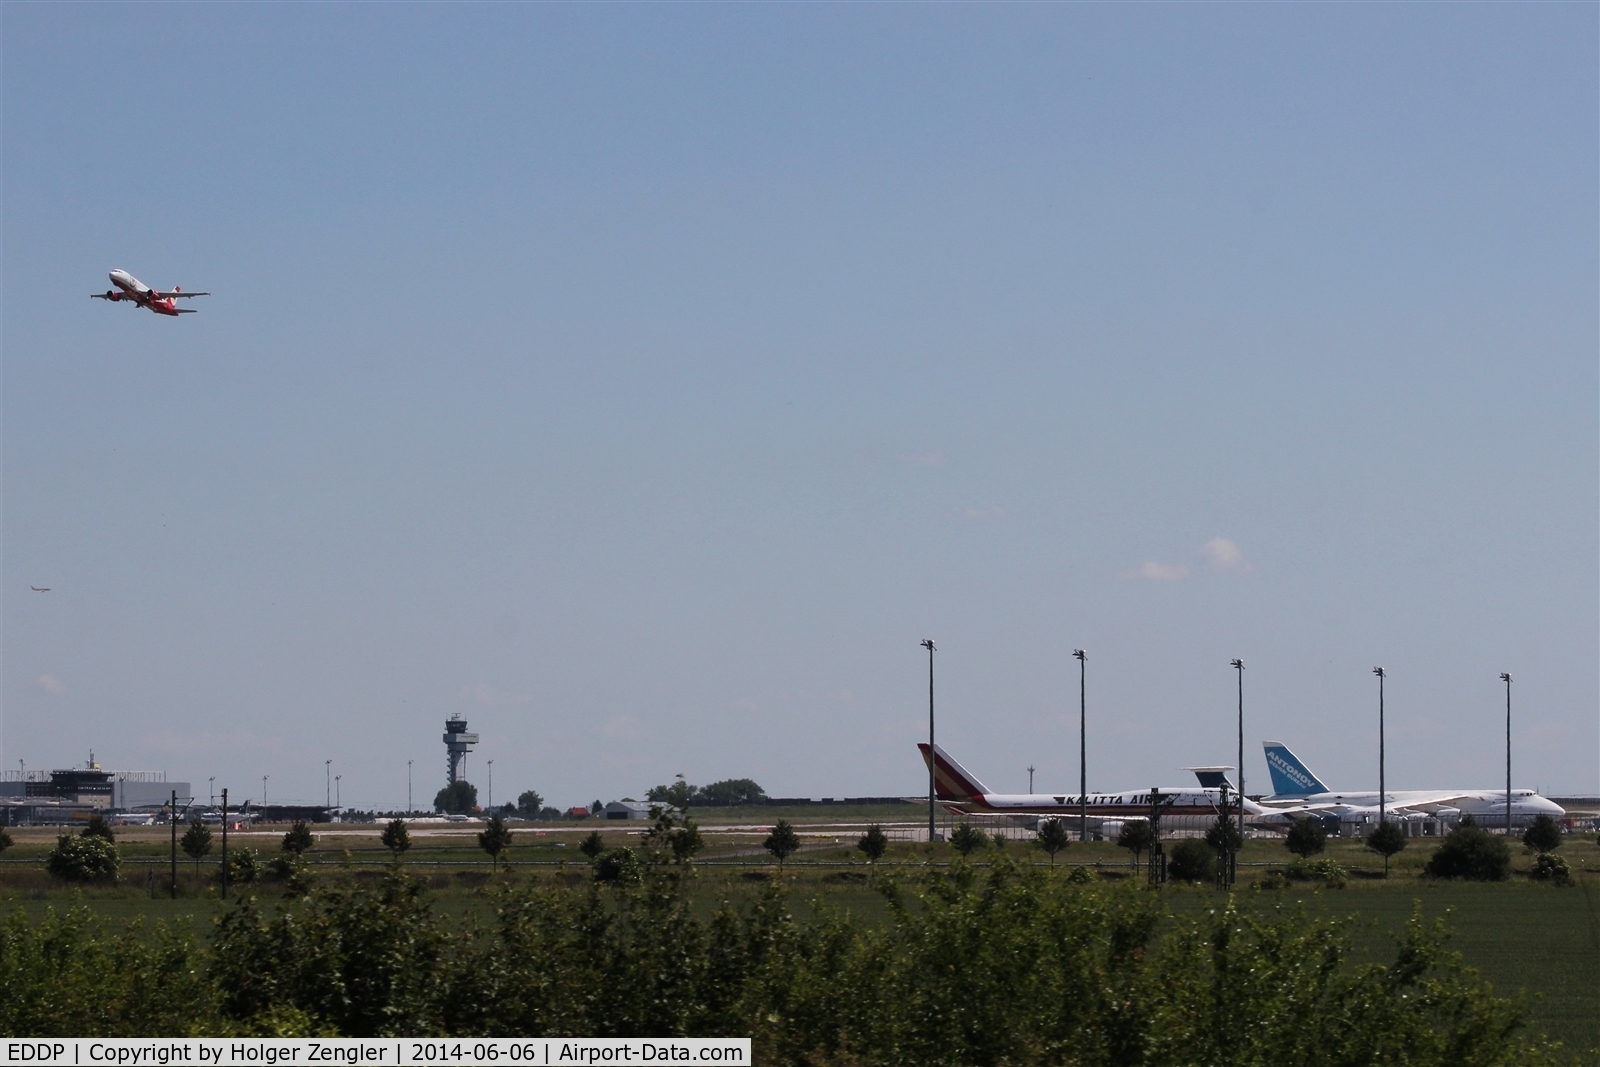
(91, 786)
(457, 743)
(579, 812)
(629, 809)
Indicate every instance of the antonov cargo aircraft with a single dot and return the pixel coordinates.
(962, 793)
(1297, 792)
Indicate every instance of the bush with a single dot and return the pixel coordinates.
(396, 837)
(1306, 837)
(298, 839)
(1386, 840)
(98, 827)
(1191, 861)
(1543, 834)
(1052, 837)
(967, 839)
(5, 840)
(84, 859)
(618, 866)
(1473, 853)
(1137, 837)
(783, 842)
(1549, 867)
(1327, 872)
(592, 845)
(244, 866)
(874, 843)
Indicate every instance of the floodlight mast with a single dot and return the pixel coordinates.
(1083, 751)
(1506, 678)
(1382, 798)
(932, 758)
(1238, 666)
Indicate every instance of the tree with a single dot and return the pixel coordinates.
(730, 792)
(592, 845)
(396, 837)
(529, 804)
(1306, 837)
(298, 839)
(244, 866)
(677, 795)
(1223, 835)
(1386, 840)
(1543, 835)
(618, 866)
(458, 798)
(495, 839)
(874, 843)
(1470, 852)
(1137, 837)
(1191, 861)
(196, 842)
(98, 827)
(84, 859)
(5, 840)
(967, 839)
(674, 830)
(782, 842)
(1052, 837)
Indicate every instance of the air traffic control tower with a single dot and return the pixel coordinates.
(457, 743)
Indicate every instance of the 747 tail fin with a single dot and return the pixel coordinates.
(951, 780)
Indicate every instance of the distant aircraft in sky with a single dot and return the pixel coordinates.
(130, 288)
(37, 589)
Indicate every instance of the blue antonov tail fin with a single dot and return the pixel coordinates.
(1290, 777)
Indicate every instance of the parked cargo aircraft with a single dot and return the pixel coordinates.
(130, 288)
(1297, 792)
(960, 792)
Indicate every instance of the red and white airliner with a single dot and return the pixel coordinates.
(130, 288)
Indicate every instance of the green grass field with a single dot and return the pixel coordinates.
(1531, 941)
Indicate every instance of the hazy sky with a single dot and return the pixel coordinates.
(643, 382)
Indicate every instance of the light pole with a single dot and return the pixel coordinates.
(1030, 778)
(1506, 678)
(213, 781)
(409, 806)
(264, 796)
(491, 786)
(338, 796)
(327, 783)
(1238, 666)
(1083, 747)
(932, 757)
(1381, 797)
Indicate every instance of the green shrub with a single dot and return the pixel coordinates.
(244, 866)
(1549, 867)
(874, 843)
(967, 839)
(1191, 860)
(618, 866)
(298, 839)
(1306, 837)
(1543, 834)
(84, 859)
(1327, 872)
(1470, 852)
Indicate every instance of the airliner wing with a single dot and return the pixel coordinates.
(176, 295)
(185, 311)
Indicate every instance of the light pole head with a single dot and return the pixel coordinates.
(1080, 655)
(1236, 664)
(928, 644)
(1506, 678)
(1379, 672)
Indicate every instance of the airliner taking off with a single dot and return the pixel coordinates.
(130, 288)
(1296, 792)
(960, 792)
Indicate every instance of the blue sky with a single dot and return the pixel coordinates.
(643, 382)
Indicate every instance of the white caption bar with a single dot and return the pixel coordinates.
(373, 1052)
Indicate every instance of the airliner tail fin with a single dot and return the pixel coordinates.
(1290, 777)
(951, 780)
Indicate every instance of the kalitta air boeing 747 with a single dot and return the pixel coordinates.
(960, 792)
